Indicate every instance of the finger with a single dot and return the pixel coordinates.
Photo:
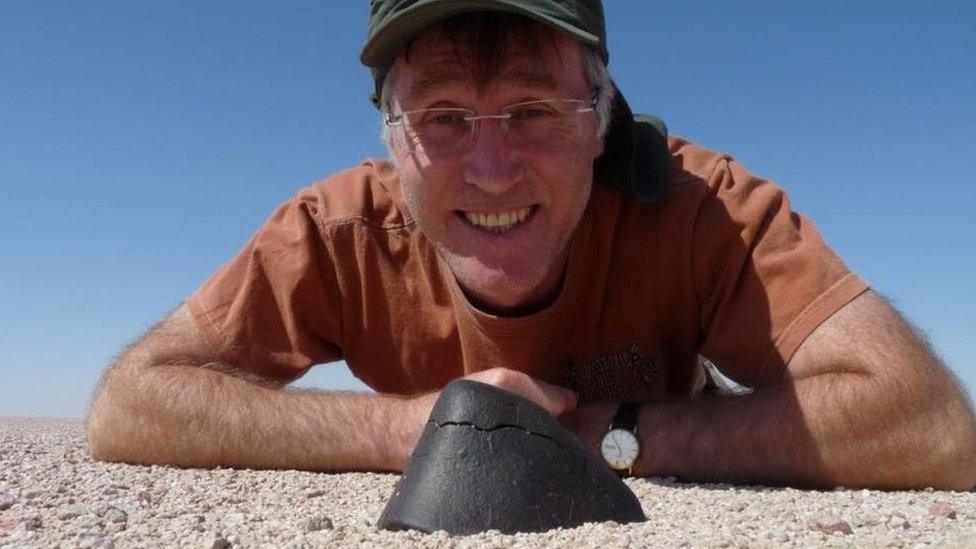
(555, 399)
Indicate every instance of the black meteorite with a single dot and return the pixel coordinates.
(492, 460)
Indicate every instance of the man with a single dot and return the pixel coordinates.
(530, 233)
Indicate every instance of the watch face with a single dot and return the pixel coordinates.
(620, 448)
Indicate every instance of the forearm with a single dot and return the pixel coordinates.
(813, 432)
(192, 416)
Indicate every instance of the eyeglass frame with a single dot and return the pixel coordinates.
(472, 117)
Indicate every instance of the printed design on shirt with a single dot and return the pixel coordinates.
(627, 374)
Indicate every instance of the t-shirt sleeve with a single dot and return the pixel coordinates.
(765, 278)
(274, 309)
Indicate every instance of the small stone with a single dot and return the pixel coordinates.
(7, 501)
(114, 527)
(220, 543)
(88, 540)
(315, 524)
(144, 497)
(236, 518)
(871, 520)
(89, 522)
(71, 512)
(32, 523)
(737, 507)
(314, 493)
(943, 510)
(829, 525)
(114, 514)
(963, 540)
(898, 520)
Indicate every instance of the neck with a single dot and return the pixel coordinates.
(539, 299)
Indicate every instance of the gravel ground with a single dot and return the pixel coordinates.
(53, 494)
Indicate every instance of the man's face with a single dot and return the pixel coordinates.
(520, 265)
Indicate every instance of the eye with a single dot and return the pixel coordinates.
(443, 118)
(535, 111)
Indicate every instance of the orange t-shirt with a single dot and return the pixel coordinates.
(722, 268)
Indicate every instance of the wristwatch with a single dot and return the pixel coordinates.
(620, 446)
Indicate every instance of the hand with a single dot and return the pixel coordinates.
(555, 399)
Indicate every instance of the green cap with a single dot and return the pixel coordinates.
(393, 23)
(635, 158)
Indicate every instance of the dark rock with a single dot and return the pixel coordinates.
(492, 460)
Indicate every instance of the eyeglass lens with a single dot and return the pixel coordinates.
(540, 123)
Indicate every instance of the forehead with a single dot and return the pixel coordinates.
(433, 63)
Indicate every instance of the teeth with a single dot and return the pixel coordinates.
(498, 222)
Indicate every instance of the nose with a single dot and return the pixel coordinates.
(491, 163)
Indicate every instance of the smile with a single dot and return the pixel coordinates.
(498, 222)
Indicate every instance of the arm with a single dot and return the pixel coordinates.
(166, 401)
(864, 403)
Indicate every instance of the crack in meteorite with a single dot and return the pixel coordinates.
(496, 428)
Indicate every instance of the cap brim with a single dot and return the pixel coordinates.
(381, 47)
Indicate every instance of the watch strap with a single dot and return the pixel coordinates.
(626, 417)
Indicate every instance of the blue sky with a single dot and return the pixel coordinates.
(142, 143)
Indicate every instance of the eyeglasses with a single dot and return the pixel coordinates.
(443, 131)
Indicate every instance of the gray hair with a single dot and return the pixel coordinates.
(597, 76)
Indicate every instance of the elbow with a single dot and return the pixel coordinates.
(957, 473)
(954, 463)
(99, 446)
(113, 422)
(960, 474)
(104, 437)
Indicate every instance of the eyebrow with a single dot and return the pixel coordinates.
(433, 80)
